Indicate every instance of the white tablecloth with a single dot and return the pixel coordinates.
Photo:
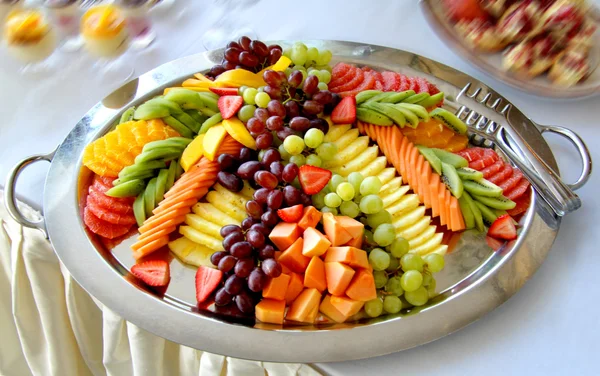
(550, 327)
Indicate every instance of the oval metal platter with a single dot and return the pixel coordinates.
(475, 281)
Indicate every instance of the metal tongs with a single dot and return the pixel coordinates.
(489, 119)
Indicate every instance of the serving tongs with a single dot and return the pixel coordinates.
(490, 120)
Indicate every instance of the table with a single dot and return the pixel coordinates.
(549, 327)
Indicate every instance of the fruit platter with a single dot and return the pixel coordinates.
(544, 47)
(306, 196)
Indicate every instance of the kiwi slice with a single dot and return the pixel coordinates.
(128, 189)
(178, 170)
(433, 160)
(450, 158)
(451, 179)
(449, 120)
(170, 105)
(149, 111)
(500, 203)
(467, 213)
(173, 142)
(413, 120)
(178, 126)
(161, 184)
(166, 154)
(150, 197)
(196, 116)
(433, 100)
(380, 97)
(188, 121)
(500, 213)
(127, 115)
(142, 176)
(482, 188)
(171, 175)
(488, 215)
(397, 97)
(475, 210)
(364, 96)
(388, 110)
(416, 98)
(210, 122)
(372, 117)
(139, 209)
(416, 109)
(467, 173)
(210, 100)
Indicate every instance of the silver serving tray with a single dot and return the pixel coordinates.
(491, 63)
(475, 281)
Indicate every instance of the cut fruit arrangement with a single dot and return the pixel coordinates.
(302, 193)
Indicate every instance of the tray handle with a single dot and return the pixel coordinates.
(582, 149)
(10, 198)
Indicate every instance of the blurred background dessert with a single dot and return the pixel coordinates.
(28, 36)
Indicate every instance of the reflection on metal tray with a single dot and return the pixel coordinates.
(475, 281)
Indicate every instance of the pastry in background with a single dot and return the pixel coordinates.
(531, 57)
(570, 67)
(481, 35)
(28, 36)
(519, 21)
(104, 31)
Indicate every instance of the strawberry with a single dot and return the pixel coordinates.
(312, 178)
(222, 91)
(465, 10)
(291, 214)
(207, 280)
(494, 244)
(229, 105)
(152, 272)
(345, 111)
(503, 228)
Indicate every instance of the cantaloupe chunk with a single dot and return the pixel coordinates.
(314, 276)
(295, 287)
(354, 227)
(354, 257)
(346, 306)
(312, 316)
(304, 305)
(336, 234)
(362, 287)
(276, 288)
(284, 269)
(330, 311)
(284, 235)
(355, 242)
(293, 257)
(434, 183)
(338, 277)
(310, 218)
(270, 311)
(315, 243)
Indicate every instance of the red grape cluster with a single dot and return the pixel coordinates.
(247, 258)
(293, 108)
(252, 55)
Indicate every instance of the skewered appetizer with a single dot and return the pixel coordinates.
(104, 31)
(28, 36)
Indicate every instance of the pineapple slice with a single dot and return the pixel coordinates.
(220, 202)
(346, 154)
(387, 175)
(336, 131)
(211, 213)
(200, 237)
(346, 139)
(363, 159)
(429, 245)
(374, 167)
(414, 230)
(393, 195)
(203, 225)
(407, 202)
(191, 253)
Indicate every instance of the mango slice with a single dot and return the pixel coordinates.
(238, 131)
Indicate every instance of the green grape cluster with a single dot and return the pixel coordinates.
(309, 150)
(310, 61)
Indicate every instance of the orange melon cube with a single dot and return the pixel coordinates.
(284, 235)
(314, 277)
(336, 234)
(362, 286)
(304, 305)
(354, 257)
(354, 227)
(355, 242)
(346, 306)
(310, 218)
(276, 288)
(330, 311)
(293, 259)
(295, 287)
(315, 243)
(270, 311)
(338, 277)
(312, 316)
(284, 269)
